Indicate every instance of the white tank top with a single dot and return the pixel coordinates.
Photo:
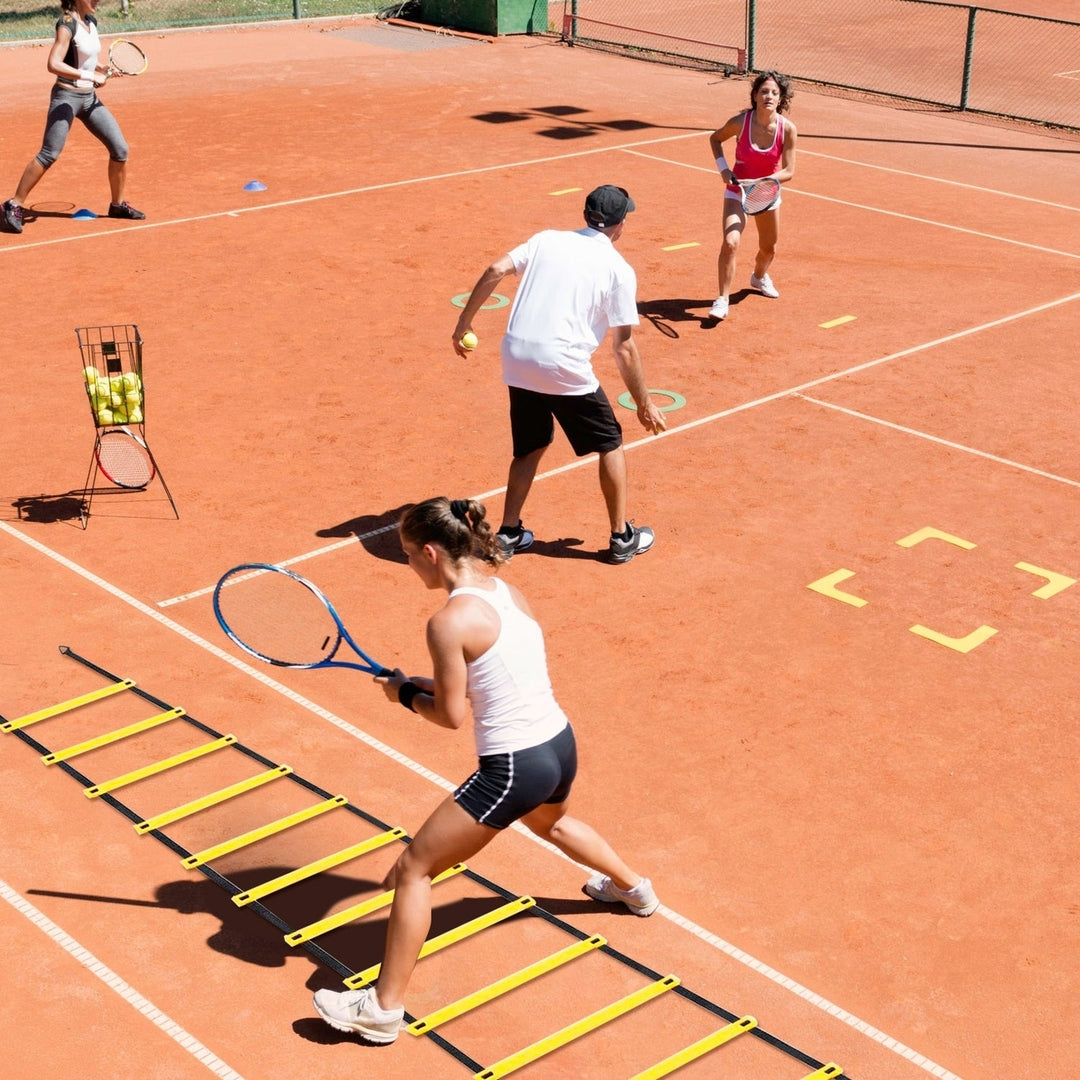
(508, 688)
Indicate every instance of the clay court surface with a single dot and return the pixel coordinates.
(863, 835)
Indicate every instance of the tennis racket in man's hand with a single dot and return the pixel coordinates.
(282, 618)
(759, 195)
(126, 58)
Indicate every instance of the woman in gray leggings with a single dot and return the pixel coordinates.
(73, 59)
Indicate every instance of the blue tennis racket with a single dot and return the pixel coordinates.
(283, 619)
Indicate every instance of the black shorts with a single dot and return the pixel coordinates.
(509, 786)
(587, 419)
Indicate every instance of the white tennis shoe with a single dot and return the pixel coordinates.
(641, 899)
(358, 1011)
(764, 285)
(719, 309)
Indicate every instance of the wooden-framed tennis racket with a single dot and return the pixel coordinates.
(283, 619)
(759, 195)
(123, 459)
(126, 58)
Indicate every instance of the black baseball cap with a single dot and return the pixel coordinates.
(607, 206)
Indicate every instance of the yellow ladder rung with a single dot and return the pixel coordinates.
(575, 1031)
(263, 832)
(317, 867)
(511, 982)
(67, 706)
(111, 737)
(698, 1049)
(212, 799)
(825, 1072)
(158, 767)
(357, 911)
(465, 930)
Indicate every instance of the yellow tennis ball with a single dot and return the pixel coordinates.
(102, 388)
(105, 417)
(131, 380)
(133, 397)
(120, 412)
(116, 383)
(91, 374)
(469, 340)
(135, 414)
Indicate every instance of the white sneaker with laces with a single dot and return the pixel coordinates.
(764, 285)
(641, 899)
(719, 308)
(358, 1011)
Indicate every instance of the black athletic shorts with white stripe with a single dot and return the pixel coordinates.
(508, 786)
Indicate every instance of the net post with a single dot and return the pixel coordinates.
(969, 53)
(751, 25)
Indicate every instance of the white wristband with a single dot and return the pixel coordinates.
(722, 165)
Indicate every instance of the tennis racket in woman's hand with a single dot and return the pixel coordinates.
(126, 58)
(759, 195)
(282, 618)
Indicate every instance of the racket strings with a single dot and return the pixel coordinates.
(124, 460)
(127, 57)
(760, 197)
(278, 618)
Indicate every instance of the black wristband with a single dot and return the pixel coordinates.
(405, 694)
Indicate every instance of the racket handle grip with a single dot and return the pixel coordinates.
(382, 673)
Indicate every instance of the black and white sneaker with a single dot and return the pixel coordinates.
(624, 548)
(12, 218)
(513, 539)
(125, 210)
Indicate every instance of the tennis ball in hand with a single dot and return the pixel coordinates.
(469, 340)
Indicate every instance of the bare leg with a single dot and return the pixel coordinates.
(33, 172)
(522, 473)
(581, 842)
(613, 485)
(117, 177)
(449, 836)
(768, 229)
(734, 223)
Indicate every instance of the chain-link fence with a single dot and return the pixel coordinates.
(955, 55)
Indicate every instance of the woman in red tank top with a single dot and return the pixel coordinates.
(764, 146)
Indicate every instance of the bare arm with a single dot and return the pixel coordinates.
(484, 287)
(633, 375)
(787, 158)
(730, 130)
(58, 50)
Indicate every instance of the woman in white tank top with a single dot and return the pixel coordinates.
(487, 651)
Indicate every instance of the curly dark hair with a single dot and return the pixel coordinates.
(782, 81)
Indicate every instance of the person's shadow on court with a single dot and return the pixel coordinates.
(662, 313)
(376, 533)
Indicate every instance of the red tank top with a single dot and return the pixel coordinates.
(752, 163)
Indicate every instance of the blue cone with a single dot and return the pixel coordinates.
(84, 215)
(254, 185)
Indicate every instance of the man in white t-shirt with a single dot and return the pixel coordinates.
(574, 287)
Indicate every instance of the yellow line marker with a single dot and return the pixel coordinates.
(502, 986)
(566, 191)
(263, 832)
(112, 736)
(1055, 583)
(213, 799)
(827, 587)
(698, 1049)
(930, 533)
(826, 1071)
(67, 706)
(357, 911)
(158, 767)
(354, 982)
(837, 322)
(679, 247)
(317, 867)
(574, 1031)
(960, 645)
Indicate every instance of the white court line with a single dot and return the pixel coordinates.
(940, 180)
(878, 210)
(115, 983)
(718, 943)
(940, 441)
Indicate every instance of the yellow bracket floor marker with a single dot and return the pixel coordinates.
(930, 533)
(827, 587)
(213, 799)
(67, 706)
(522, 903)
(575, 1031)
(158, 767)
(825, 1071)
(357, 911)
(317, 867)
(111, 737)
(1055, 583)
(262, 832)
(698, 1049)
(957, 644)
(502, 986)
(839, 321)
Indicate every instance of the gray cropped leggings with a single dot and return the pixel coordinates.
(65, 104)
